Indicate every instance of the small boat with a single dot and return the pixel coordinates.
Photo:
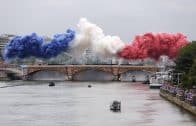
(147, 80)
(51, 84)
(133, 79)
(89, 86)
(115, 106)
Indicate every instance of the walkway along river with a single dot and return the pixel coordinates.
(74, 104)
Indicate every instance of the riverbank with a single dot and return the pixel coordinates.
(175, 100)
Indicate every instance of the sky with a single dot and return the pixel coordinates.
(124, 18)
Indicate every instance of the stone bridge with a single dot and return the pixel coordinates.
(8, 71)
(71, 70)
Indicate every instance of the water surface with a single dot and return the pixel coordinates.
(74, 104)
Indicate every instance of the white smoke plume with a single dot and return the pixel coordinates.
(92, 36)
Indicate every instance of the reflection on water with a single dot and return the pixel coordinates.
(74, 104)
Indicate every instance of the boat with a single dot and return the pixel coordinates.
(155, 83)
(115, 106)
(158, 79)
(51, 84)
(133, 79)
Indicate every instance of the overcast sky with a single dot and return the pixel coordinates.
(124, 18)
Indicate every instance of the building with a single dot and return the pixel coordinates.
(3, 41)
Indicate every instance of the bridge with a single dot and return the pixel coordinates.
(10, 71)
(71, 70)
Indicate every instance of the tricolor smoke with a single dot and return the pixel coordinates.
(151, 45)
(33, 45)
(92, 36)
(154, 45)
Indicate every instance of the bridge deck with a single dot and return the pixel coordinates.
(122, 66)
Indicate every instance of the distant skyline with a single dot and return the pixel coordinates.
(124, 18)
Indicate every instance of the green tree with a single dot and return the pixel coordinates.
(186, 58)
(186, 64)
(192, 75)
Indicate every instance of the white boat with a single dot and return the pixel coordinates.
(158, 79)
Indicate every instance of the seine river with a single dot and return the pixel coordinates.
(74, 104)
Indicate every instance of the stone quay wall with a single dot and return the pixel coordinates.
(178, 102)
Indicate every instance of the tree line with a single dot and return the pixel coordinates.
(186, 64)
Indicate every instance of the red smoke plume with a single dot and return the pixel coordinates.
(154, 45)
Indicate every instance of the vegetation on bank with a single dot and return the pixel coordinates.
(186, 64)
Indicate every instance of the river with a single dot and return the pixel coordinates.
(74, 104)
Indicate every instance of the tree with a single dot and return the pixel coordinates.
(186, 58)
(192, 75)
(186, 64)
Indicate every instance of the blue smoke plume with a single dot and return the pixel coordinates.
(33, 45)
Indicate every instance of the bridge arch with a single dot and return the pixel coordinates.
(7, 74)
(34, 70)
(47, 75)
(93, 75)
(11, 70)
